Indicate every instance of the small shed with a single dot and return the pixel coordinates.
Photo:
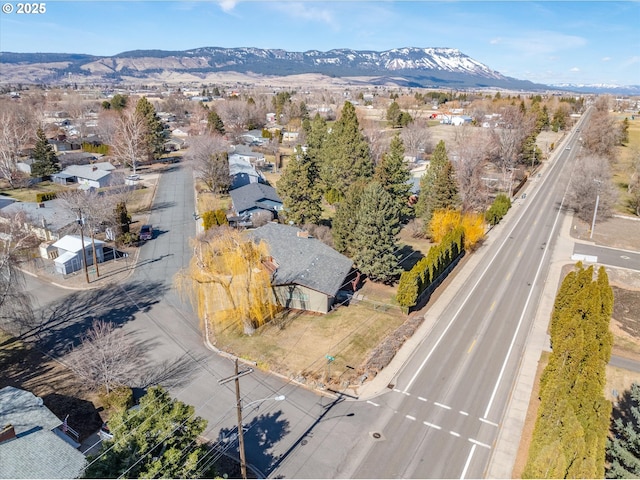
(70, 257)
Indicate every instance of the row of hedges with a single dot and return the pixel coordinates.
(573, 418)
(44, 196)
(428, 269)
(498, 209)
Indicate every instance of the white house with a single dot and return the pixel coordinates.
(97, 175)
(70, 258)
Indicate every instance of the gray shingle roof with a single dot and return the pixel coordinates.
(303, 261)
(254, 195)
(54, 213)
(37, 451)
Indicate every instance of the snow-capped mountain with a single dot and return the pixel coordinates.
(404, 66)
(600, 88)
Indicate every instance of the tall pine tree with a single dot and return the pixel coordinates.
(345, 154)
(623, 447)
(45, 162)
(155, 131)
(345, 220)
(438, 187)
(300, 190)
(375, 236)
(393, 175)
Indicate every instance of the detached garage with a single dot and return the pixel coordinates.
(69, 258)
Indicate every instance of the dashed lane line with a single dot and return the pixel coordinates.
(446, 407)
(489, 422)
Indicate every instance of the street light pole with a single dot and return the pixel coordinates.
(595, 210)
(80, 221)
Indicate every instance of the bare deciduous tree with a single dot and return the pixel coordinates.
(602, 134)
(129, 143)
(591, 178)
(470, 151)
(508, 138)
(377, 139)
(106, 358)
(16, 127)
(417, 138)
(16, 241)
(210, 161)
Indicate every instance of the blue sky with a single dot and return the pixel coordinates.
(544, 41)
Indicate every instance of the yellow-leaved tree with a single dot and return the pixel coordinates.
(228, 281)
(445, 221)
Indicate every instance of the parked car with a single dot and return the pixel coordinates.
(146, 232)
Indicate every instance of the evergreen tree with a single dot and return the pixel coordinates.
(158, 439)
(393, 114)
(155, 131)
(118, 102)
(375, 236)
(393, 175)
(214, 123)
(300, 190)
(425, 205)
(45, 162)
(345, 154)
(623, 447)
(345, 220)
(445, 189)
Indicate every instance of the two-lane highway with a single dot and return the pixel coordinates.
(442, 418)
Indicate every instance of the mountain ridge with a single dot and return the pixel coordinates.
(409, 66)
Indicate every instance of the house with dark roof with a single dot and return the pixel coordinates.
(32, 439)
(255, 197)
(243, 172)
(307, 274)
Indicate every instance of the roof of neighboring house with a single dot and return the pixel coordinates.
(36, 451)
(90, 172)
(73, 243)
(252, 196)
(5, 201)
(303, 261)
(55, 215)
(240, 165)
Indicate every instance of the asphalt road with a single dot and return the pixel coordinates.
(610, 256)
(442, 416)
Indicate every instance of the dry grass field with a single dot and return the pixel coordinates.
(622, 166)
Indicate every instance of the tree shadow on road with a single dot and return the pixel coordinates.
(60, 326)
(173, 373)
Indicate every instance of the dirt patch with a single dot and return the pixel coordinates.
(614, 232)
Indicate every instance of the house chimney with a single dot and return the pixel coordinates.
(7, 433)
(303, 234)
(94, 168)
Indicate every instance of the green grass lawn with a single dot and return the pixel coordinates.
(29, 194)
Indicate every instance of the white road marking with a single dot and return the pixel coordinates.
(464, 413)
(524, 309)
(397, 390)
(422, 399)
(372, 403)
(437, 427)
(410, 417)
(455, 434)
(447, 407)
(480, 444)
(466, 299)
(468, 462)
(488, 421)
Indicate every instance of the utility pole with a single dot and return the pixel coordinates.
(80, 221)
(236, 377)
(595, 210)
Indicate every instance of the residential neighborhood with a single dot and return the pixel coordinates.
(326, 239)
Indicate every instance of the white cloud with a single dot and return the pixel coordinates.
(227, 5)
(631, 61)
(541, 43)
(606, 59)
(574, 69)
(495, 41)
(305, 11)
